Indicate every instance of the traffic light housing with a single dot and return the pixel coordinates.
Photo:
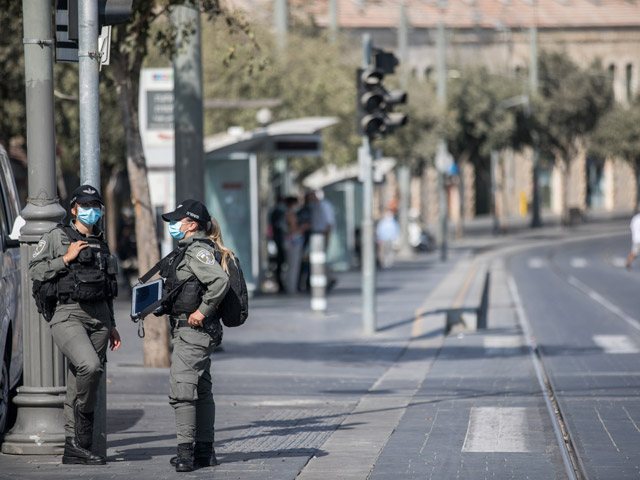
(110, 12)
(374, 109)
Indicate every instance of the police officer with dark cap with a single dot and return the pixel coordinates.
(74, 278)
(195, 332)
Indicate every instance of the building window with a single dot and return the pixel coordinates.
(428, 72)
(628, 80)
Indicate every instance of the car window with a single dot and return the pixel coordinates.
(9, 190)
(5, 226)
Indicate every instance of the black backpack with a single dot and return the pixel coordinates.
(234, 308)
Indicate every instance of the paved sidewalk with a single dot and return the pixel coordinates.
(291, 387)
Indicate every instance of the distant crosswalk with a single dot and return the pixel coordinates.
(575, 262)
(616, 344)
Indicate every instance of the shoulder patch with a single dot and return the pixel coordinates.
(206, 257)
(39, 248)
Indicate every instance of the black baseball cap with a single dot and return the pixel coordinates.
(85, 194)
(189, 208)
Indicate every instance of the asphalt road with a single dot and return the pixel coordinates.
(583, 307)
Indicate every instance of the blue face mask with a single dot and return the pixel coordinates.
(89, 216)
(174, 230)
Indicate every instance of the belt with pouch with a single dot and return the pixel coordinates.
(183, 323)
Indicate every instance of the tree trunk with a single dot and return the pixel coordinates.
(156, 341)
(564, 172)
(110, 209)
(636, 170)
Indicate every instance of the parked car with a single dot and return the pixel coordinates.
(10, 302)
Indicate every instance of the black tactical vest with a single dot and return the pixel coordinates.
(187, 298)
(92, 276)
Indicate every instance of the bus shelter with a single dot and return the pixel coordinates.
(232, 186)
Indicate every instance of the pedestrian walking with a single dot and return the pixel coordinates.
(74, 276)
(195, 329)
(387, 233)
(635, 237)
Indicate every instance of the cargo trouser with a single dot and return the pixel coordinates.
(190, 384)
(81, 332)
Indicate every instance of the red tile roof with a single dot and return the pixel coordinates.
(468, 13)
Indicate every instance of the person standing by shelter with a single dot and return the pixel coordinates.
(323, 221)
(295, 240)
(278, 233)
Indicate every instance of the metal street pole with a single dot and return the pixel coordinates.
(39, 427)
(442, 142)
(89, 92)
(404, 172)
(367, 238)
(494, 191)
(333, 20)
(187, 80)
(533, 91)
(281, 22)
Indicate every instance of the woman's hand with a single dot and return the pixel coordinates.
(74, 250)
(196, 319)
(114, 339)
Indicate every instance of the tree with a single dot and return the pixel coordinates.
(415, 142)
(12, 93)
(617, 135)
(480, 119)
(570, 104)
(312, 78)
(148, 26)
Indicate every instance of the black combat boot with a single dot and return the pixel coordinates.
(204, 455)
(74, 454)
(184, 461)
(83, 427)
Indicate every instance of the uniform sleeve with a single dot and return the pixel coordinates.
(203, 264)
(46, 261)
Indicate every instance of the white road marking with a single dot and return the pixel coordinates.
(536, 262)
(504, 341)
(606, 429)
(496, 429)
(501, 344)
(619, 262)
(604, 302)
(615, 344)
(579, 262)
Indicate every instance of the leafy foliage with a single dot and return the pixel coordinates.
(12, 96)
(571, 102)
(311, 78)
(617, 134)
(415, 142)
(480, 115)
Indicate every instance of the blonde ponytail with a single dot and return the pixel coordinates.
(215, 235)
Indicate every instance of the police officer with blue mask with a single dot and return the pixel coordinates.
(201, 284)
(74, 278)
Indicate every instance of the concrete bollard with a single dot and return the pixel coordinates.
(318, 276)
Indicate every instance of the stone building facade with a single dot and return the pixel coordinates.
(497, 34)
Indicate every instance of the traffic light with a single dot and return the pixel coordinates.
(110, 12)
(374, 109)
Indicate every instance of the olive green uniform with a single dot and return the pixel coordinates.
(190, 383)
(80, 330)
